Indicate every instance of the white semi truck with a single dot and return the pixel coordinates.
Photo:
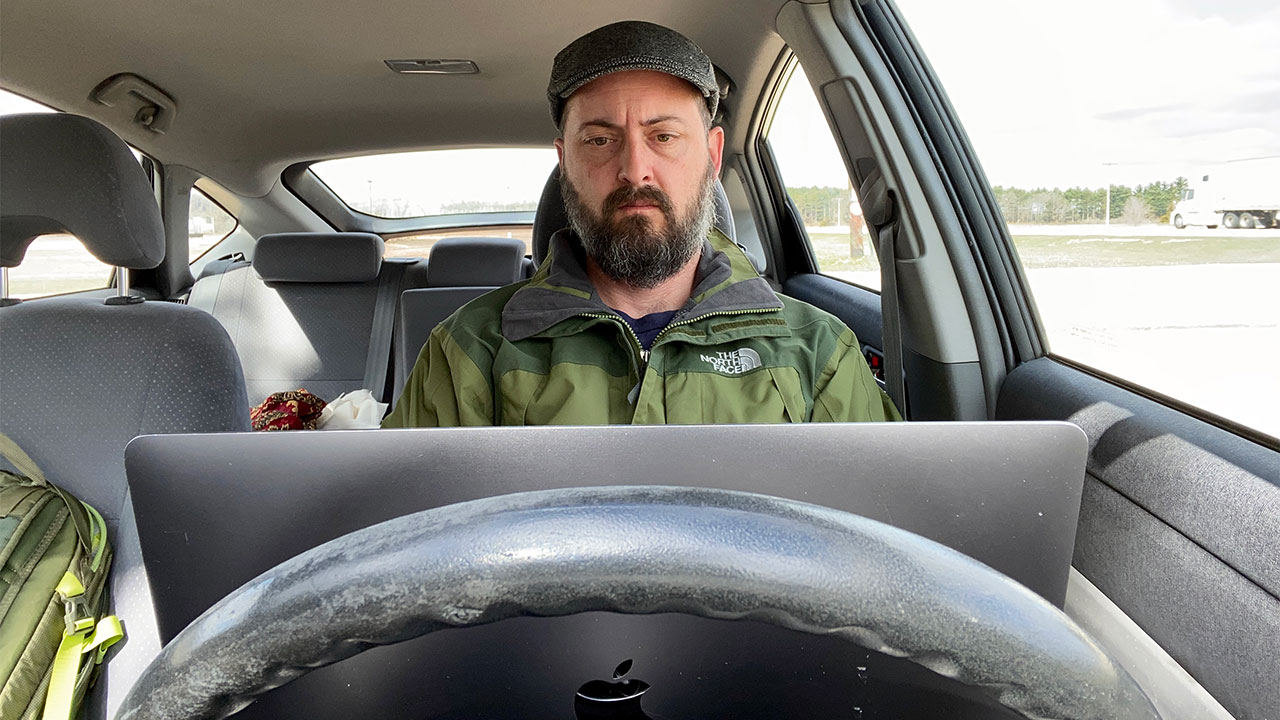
(1234, 194)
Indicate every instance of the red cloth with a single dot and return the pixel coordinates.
(292, 410)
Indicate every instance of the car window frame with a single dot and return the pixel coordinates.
(191, 261)
(778, 85)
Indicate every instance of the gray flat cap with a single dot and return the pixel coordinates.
(630, 45)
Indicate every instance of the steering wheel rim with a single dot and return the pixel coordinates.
(710, 553)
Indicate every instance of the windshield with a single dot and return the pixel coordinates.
(440, 182)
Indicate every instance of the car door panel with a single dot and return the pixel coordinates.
(858, 307)
(1179, 526)
(943, 391)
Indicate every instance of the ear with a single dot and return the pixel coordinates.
(560, 153)
(715, 143)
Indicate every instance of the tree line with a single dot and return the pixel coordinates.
(1135, 205)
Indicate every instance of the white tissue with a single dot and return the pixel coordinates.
(352, 411)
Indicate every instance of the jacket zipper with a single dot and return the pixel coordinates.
(639, 356)
(689, 321)
(638, 350)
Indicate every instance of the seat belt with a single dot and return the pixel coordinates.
(209, 291)
(384, 318)
(891, 322)
(880, 210)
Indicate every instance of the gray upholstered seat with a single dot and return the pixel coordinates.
(458, 271)
(304, 314)
(79, 378)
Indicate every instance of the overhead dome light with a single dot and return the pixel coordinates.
(433, 67)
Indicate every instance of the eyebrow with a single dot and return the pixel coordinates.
(606, 124)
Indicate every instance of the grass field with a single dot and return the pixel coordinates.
(1066, 251)
(1045, 251)
(832, 250)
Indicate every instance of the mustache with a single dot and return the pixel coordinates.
(628, 195)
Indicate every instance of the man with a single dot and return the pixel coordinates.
(643, 312)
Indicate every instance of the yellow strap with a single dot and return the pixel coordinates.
(62, 681)
(108, 632)
(98, 539)
(70, 586)
(83, 637)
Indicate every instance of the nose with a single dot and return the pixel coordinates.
(636, 163)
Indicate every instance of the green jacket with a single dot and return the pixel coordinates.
(547, 351)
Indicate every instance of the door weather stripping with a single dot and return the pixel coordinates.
(433, 67)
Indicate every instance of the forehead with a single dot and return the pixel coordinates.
(647, 92)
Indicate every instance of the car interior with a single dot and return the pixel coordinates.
(1041, 539)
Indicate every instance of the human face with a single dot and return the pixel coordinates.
(628, 248)
(638, 128)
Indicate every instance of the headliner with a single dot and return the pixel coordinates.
(262, 85)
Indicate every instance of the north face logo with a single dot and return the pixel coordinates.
(734, 362)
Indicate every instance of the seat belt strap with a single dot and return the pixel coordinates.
(891, 323)
(384, 317)
(204, 295)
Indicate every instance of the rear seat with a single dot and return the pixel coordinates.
(312, 310)
(459, 270)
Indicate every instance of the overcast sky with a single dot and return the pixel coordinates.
(1050, 91)
(1053, 94)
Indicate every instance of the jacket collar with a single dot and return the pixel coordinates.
(726, 282)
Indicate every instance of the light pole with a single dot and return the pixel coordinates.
(370, 196)
(1106, 214)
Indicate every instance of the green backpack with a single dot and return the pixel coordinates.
(54, 559)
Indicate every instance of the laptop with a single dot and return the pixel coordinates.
(216, 510)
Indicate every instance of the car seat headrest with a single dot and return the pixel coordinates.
(318, 257)
(551, 216)
(64, 173)
(475, 262)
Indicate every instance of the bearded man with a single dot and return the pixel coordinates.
(643, 312)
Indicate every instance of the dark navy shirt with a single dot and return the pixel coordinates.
(648, 327)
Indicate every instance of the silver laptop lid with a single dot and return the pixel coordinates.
(214, 511)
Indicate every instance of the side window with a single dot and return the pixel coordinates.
(817, 182)
(54, 264)
(57, 264)
(207, 224)
(1146, 214)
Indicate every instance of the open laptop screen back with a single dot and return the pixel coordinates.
(215, 511)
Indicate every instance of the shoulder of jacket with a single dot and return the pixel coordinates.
(482, 315)
(801, 316)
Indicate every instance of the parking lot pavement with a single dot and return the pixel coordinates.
(1208, 335)
(1205, 334)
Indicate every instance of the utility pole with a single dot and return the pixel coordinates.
(1106, 214)
(370, 196)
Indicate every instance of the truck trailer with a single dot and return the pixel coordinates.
(1234, 194)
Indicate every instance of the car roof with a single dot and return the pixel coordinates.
(260, 86)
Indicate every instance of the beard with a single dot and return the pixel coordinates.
(628, 248)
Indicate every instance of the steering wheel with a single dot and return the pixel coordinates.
(710, 553)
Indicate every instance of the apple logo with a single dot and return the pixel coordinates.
(615, 698)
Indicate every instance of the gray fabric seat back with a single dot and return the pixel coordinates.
(302, 315)
(78, 378)
(459, 270)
